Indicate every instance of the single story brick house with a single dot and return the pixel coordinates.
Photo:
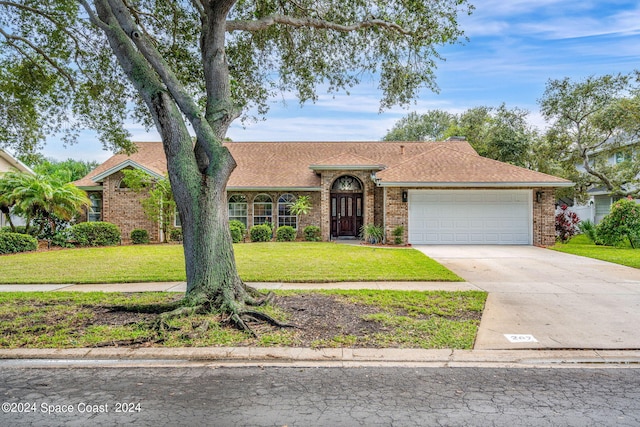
(440, 192)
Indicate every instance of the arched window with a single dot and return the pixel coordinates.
(238, 208)
(347, 184)
(262, 209)
(285, 217)
(122, 185)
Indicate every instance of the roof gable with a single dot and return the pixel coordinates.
(150, 157)
(446, 166)
(293, 165)
(8, 162)
(347, 161)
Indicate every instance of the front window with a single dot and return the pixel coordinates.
(95, 210)
(177, 222)
(285, 217)
(238, 208)
(262, 210)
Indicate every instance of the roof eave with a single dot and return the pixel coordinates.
(123, 165)
(475, 184)
(90, 187)
(16, 163)
(346, 167)
(263, 189)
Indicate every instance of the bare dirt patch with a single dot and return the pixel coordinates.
(320, 319)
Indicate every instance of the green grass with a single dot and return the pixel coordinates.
(414, 319)
(257, 262)
(89, 319)
(581, 245)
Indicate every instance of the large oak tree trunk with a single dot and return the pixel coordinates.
(209, 257)
(198, 172)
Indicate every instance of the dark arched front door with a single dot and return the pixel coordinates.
(346, 207)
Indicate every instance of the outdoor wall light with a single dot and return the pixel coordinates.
(405, 197)
(538, 196)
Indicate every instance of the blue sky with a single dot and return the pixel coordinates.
(514, 47)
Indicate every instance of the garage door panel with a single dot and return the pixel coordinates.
(470, 217)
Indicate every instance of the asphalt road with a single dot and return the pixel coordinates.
(276, 396)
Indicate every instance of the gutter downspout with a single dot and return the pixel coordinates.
(384, 214)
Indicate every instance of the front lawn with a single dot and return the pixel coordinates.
(362, 318)
(581, 245)
(257, 262)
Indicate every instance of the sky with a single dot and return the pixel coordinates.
(514, 47)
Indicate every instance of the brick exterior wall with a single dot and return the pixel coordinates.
(123, 208)
(312, 218)
(397, 214)
(544, 211)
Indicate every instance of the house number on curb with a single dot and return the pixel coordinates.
(520, 338)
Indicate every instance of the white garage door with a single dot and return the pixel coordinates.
(470, 217)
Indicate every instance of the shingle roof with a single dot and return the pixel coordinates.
(288, 164)
(150, 155)
(443, 165)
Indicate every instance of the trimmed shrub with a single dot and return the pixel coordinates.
(175, 234)
(260, 233)
(19, 230)
(398, 234)
(11, 243)
(566, 224)
(622, 223)
(312, 233)
(286, 233)
(139, 236)
(238, 230)
(95, 234)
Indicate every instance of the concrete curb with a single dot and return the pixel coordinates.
(285, 356)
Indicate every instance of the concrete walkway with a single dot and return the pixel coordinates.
(543, 299)
(545, 308)
(182, 286)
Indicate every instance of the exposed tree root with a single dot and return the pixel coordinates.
(237, 317)
(162, 322)
(239, 320)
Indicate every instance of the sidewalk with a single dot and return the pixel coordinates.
(291, 356)
(182, 286)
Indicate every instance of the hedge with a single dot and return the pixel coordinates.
(11, 243)
(286, 233)
(95, 234)
(139, 236)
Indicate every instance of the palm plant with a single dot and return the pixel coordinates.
(37, 196)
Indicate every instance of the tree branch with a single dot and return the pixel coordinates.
(271, 20)
(159, 65)
(197, 4)
(10, 40)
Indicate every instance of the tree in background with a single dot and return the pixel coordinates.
(431, 126)
(40, 198)
(66, 170)
(158, 205)
(591, 120)
(497, 133)
(199, 65)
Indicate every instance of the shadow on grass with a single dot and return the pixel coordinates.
(153, 308)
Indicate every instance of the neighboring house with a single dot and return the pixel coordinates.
(440, 192)
(600, 199)
(9, 163)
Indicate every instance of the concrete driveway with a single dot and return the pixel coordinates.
(539, 298)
